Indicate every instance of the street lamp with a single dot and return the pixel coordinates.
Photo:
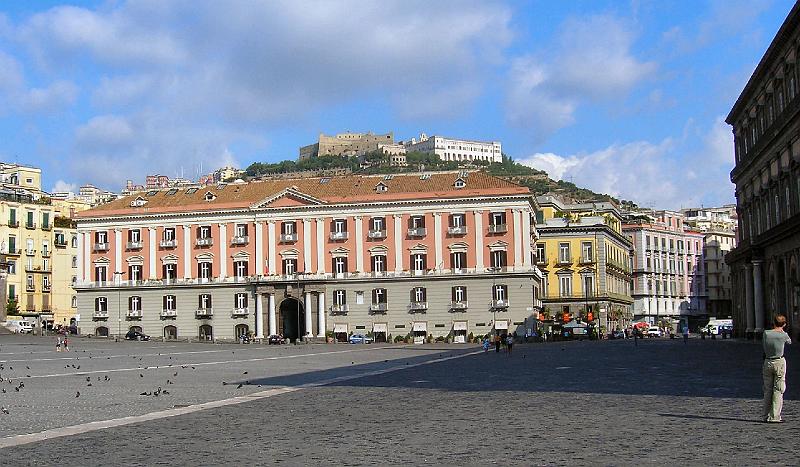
(119, 302)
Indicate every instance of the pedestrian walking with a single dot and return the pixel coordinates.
(774, 369)
(685, 334)
(509, 343)
(485, 344)
(58, 344)
(497, 343)
(66, 344)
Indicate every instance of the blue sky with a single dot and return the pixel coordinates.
(626, 98)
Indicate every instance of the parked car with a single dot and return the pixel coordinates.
(360, 339)
(654, 331)
(618, 334)
(136, 336)
(275, 339)
(20, 327)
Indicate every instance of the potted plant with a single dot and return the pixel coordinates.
(329, 337)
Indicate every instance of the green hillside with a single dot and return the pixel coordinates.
(376, 163)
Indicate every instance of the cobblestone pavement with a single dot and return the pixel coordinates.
(609, 403)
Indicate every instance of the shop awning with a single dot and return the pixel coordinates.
(501, 324)
(338, 327)
(420, 326)
(459, 325)
(379, 327)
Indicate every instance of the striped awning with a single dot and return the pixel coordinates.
(340, 327)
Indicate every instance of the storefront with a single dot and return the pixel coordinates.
(379, 332)
(340, 332)
(419, 330)
(501, 327)
(459, 332)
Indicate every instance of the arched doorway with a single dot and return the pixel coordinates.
(206, 333)
(101, 331)
(170, 333)
(135, 328)
(291, 322)
(240, 330)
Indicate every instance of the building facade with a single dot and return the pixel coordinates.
(445, 255)
(345, 144)
(460, 150)
(39, 243)
(585, 262)
(668, 268)
(766, 128)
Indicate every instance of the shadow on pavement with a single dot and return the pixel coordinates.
(701, 417)
(703, 368)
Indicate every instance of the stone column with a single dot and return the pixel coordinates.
(273, 325)
(321, 245)
(479, 233)
(187, 252)
(359, 244)
(223, 250)
(321, 314)
(309, 321)
(259, 270)
(758, 295)
(259, 316)
(117, 255)
(398, 243)
(437, 241)
(274, 268)
(750, 314)
(151, 260)
(307, 264)
(517, 216)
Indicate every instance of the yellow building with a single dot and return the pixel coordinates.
(38, 241)
(585, 261)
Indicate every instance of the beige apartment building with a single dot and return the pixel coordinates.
(38, 241)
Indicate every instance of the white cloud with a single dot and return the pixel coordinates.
(62, 186)
(57, 95)
(185, 81)
(667, 174)
(591, 61)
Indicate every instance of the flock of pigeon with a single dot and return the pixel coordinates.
(159, 391)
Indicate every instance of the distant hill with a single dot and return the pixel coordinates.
(375, 163)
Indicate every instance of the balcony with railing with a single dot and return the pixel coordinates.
(134, 314)
(168, 243)
(12, 252)
(338, 236)
(206, 241)
(137, 245)
(499, 304)
(564, 260)
(417, 232)
(30, 252)
(418, 307)
(498, 228)
(378, 308)
(168, 313)
(339, 309)
(45, 253)
(288, 237)
(239, 240)
(239, 312)
(373, 233)
(30, 225)
(101, 246)
(459, 305)
(60, 243)
(587, 259)
(202, 313)
(13, 224)
(47, 287)
(47, 227)
(100, 314)
(457, 230)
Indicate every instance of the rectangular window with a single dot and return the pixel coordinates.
(135, 303)
(289, 228)
(204, 301)
(565, 286)
(204, 232)
(563, 253)
(100, 304)
(457, 220)
(169, 302)
(134, 236)
(339, 226)
(340, 297)
(240, 301)
(378, 296)
(588, 286)
(419, 261)
(240, 230)
(587, 253)
(379, 263)
(500, 293)
(289, 266)
(459, 293)
(169, 234)
(418, 294)
(135, 272)
(169, 271)
(378, 223)
(540, 253)
(204, 270)
(240, 269)
(101, 273)
(45, 220)
(340, 265)
(458, 260)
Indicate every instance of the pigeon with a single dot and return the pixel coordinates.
(4, 390)
(145, 394)
(239, 386)
(141, 375)
(77, 394)
(88, 378)
(176, 374)
(26, 366)
(224, 383)
(166, 392)
(16, 388)
(78, 367)
(89, 384)
(22, 384)
(5, 411)
(107, 378)
(244, 373)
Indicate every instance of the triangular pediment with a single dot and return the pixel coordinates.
(289, 197)
(419, 248)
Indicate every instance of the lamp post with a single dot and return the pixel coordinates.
(119, 302)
